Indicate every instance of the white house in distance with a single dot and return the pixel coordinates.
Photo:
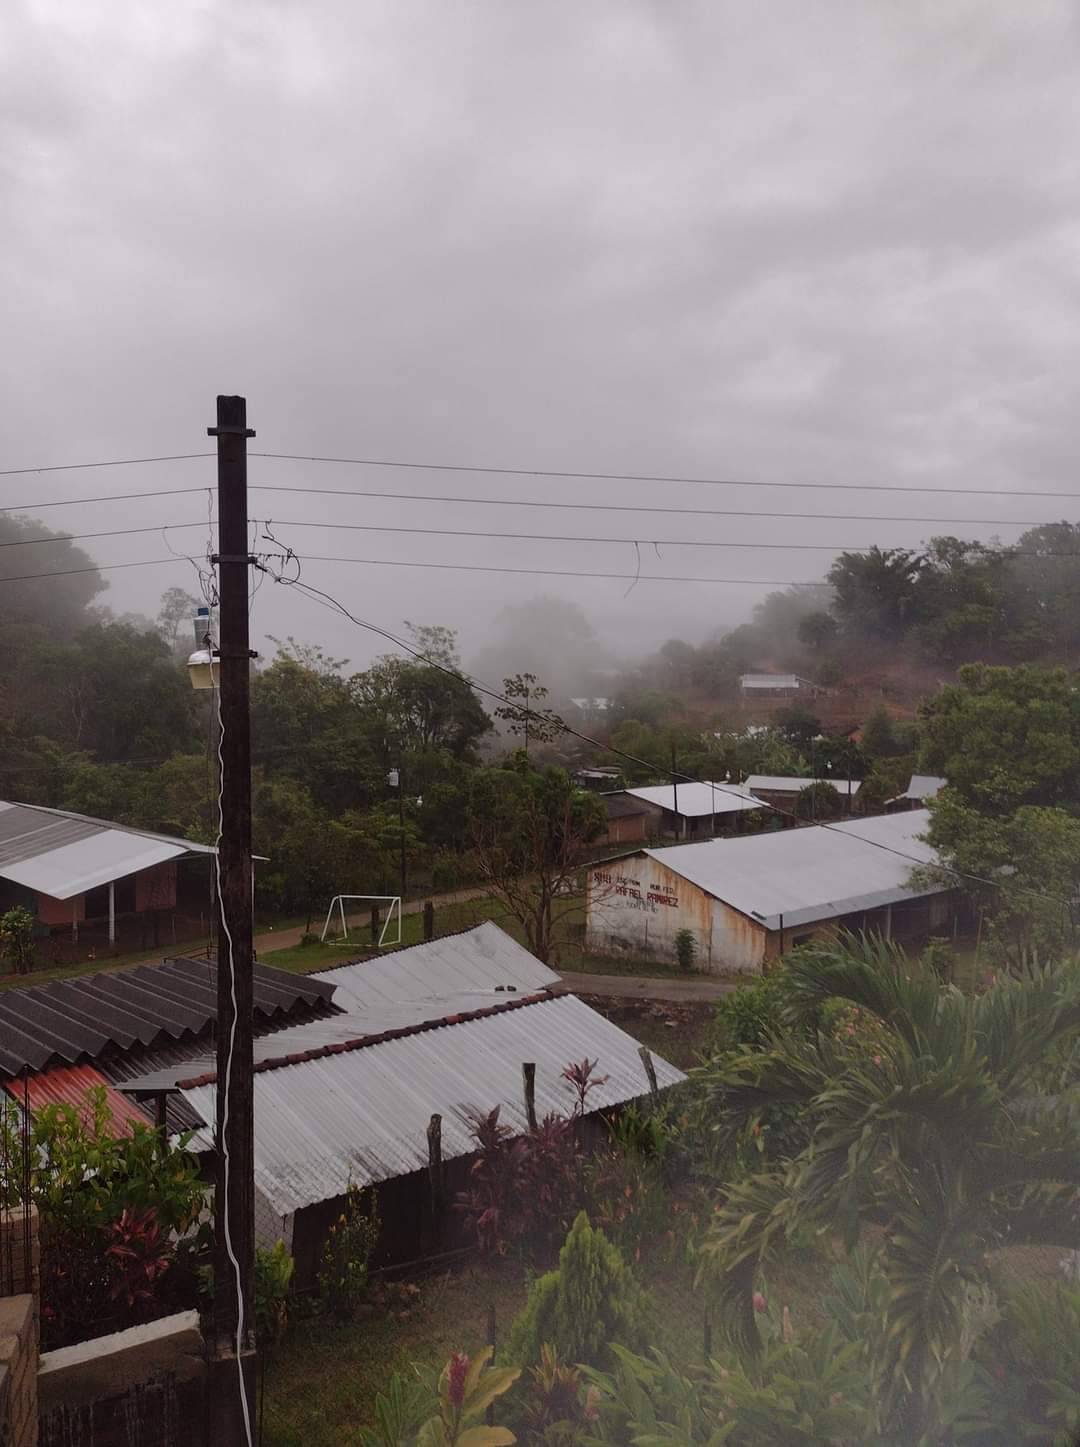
(746, 900)
(782, 789)
(776, 685)
(695, 810)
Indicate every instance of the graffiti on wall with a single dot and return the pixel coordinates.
(635, 895)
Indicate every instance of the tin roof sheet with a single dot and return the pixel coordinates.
(819, 872)
(361, 1115)
(790, 784)
(924, 786)
(81, 1019)
(483, 960)
(62, 854)
(697, 800)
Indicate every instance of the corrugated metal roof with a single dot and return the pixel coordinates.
(698, 799)
(483, 960)
(789, 784)
(770, 680)
(808, 874)
(362, 1115)
(63, 854)
(84, 1018)
(70, 1085)
(924, 786)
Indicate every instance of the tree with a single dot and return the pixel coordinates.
(875, 590)
(527, 829)
(798, 725)
(878, 738)
(589, 1301)
(932, 1130)
(1005, 737)
(528, 718)
(819, 801)
(178, 608)
(818, 630)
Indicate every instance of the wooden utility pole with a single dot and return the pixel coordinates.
(232, 1415)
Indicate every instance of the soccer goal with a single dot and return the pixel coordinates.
(393, 914)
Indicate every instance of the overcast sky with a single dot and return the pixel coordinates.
(778, 242)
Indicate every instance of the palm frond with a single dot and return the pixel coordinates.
(757, 1213)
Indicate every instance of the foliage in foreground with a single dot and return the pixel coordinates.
(112, 1208)
(940, 1138)
(426, 1412)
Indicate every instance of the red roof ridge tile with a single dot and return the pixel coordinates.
(382, 1037)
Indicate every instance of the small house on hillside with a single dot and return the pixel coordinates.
(765, 686)
(915, 796)
(782, 790)
(85, 875)
(439, 1029)
(677, 811)
(747, 900)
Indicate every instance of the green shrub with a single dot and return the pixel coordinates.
(350, 1244)
(1030, 1366)
(273, 1278)
(750, 1014)
(589, 1301)
(17, 939)
(685, 949)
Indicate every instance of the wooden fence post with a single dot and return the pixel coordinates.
(435, 1180)
(374, 924)
(650, 1071)
(528, 1075)
(429, 920)
(492, 1341)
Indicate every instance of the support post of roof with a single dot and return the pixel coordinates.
(435, 1172)
(112, 911)
(75, 920)
(233, 1414)
(650, 1071)
(888, 921)
(528, 1077)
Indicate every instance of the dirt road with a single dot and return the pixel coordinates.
(643, 987)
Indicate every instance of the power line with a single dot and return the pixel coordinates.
(654, 477)
(113, 462)
(650, 542)
(99, 568)
(104, 497)
(82, 537)
(634, 507)
(557, 572)
(489, 470)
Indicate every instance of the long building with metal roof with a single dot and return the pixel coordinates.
(746, 900)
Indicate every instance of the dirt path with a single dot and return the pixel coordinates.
(642, 987)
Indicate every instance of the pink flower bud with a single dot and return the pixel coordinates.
(759, 1301)
(459, 1370)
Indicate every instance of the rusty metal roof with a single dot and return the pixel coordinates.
(359, 1112)
(71, 1085)
(91, 1017)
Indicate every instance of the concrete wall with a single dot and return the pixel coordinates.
(147, 1385)
(636, 907)
(18, 1367)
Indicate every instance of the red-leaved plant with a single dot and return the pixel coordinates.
(139, 1255)
(579, 1075)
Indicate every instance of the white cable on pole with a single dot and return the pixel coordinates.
(224, 1143)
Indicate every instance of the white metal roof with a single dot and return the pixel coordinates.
(924, 786)
(696, 800)
(770, 680)
(484, 961)
(787, 784)
(815, 873)
(361, 1115)
(63, 854)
